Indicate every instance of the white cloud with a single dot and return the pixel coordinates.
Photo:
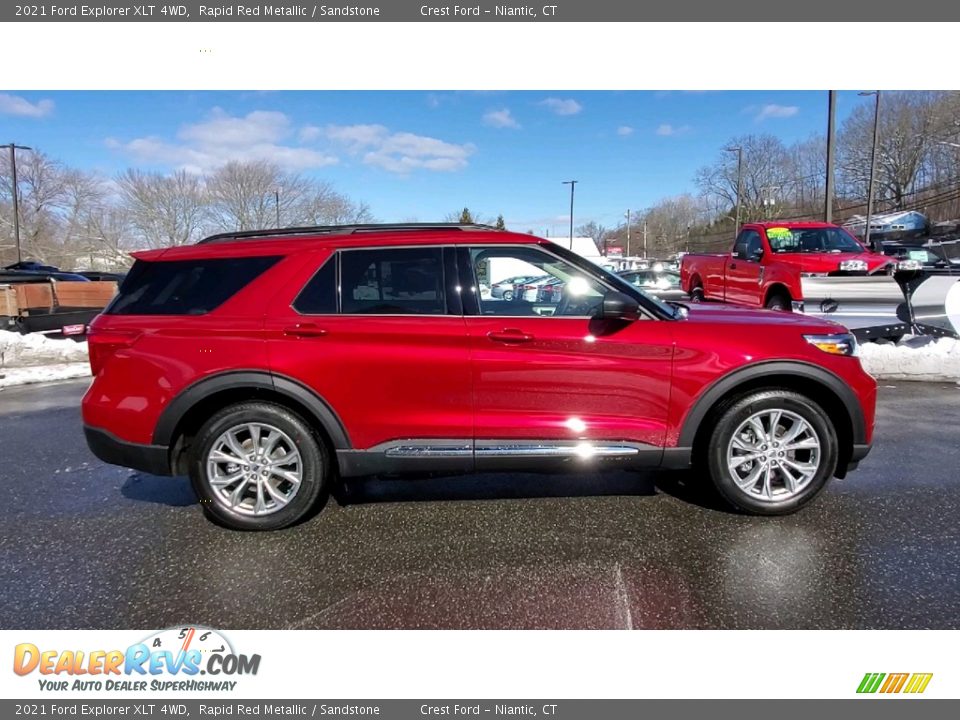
(220, 138)
(668, 130)
(502, 118)
(624, 130)
(21, 107)
(775, 111)
(400, 152)
(559, 106)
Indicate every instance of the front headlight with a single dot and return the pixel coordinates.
(839, 344)
(853, 265)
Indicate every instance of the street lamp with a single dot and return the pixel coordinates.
(572, 184)
(873, 162)
(13, 147)
(739, 151)
(628, 233)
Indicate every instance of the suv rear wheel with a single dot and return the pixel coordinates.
(772, 452)
(258, 466)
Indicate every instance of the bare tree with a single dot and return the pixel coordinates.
(164, 210)
(595, 231)
(907, 125)
(766, 171)
(247, 195)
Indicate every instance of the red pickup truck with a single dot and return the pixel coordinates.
(769, 259)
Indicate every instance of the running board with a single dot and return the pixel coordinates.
(455, 455)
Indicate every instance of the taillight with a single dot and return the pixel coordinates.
(102, 343)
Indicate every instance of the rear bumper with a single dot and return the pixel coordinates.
(153, 459)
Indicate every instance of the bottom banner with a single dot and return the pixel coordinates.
(551, 709)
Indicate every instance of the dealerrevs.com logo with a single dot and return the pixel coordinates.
(909, 683)
(172, 659)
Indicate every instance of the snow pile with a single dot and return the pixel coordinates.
(36, 358)
(18, 350)
(42, 373)
(913, 358)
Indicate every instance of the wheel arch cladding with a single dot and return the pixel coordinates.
(823, 387)
(191, 408)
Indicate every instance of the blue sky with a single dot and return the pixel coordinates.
(420, 155)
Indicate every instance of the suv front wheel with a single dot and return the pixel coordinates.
(258, 466)
(771, 452)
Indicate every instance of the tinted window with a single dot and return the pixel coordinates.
(184, 287)
(319, 295)
(407, 281)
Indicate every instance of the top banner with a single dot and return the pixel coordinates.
(420, 11)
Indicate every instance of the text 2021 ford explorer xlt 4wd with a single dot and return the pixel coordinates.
(267, 365)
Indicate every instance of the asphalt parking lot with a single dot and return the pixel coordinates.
(86, 545)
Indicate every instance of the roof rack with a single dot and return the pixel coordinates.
(339, 230)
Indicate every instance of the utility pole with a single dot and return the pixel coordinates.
(276, 204)
(739, 151)
(873, 163)
(628, 233)
(572, 184)
(644, 239)
(831, 154)
(16, 193)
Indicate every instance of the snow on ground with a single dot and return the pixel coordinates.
(913, 358)
(42, 373)
(36, 358)
(18, 350)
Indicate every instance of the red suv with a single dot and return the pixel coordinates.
(266, 365)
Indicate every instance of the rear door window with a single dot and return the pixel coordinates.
(392, 281)
(185, 287)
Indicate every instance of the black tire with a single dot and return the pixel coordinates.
(737, 413)
(696, 294)
(779, 301)
(508, 295)
(314, 457)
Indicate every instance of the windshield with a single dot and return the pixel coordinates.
(811, 240)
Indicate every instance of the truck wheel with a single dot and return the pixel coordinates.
(696, 294)
(778, 301)
(258, 466)
(772, 452)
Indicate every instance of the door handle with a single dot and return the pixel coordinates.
(305, 330)
(733, 266)
(510, 336)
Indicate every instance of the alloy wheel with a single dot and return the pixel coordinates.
(254, 469)
(773, 455)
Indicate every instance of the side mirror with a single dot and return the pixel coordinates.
(619, 306)
(756, 255)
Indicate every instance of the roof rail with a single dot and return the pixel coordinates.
(339, 230)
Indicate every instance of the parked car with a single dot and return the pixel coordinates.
(530, 290)
(664, 285)
(267, 366)
(507, 289)
(765, 267)
(551, 291)
(933, 257)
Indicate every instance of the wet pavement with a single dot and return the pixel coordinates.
(86, 545)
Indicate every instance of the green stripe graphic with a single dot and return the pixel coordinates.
(871, 682)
